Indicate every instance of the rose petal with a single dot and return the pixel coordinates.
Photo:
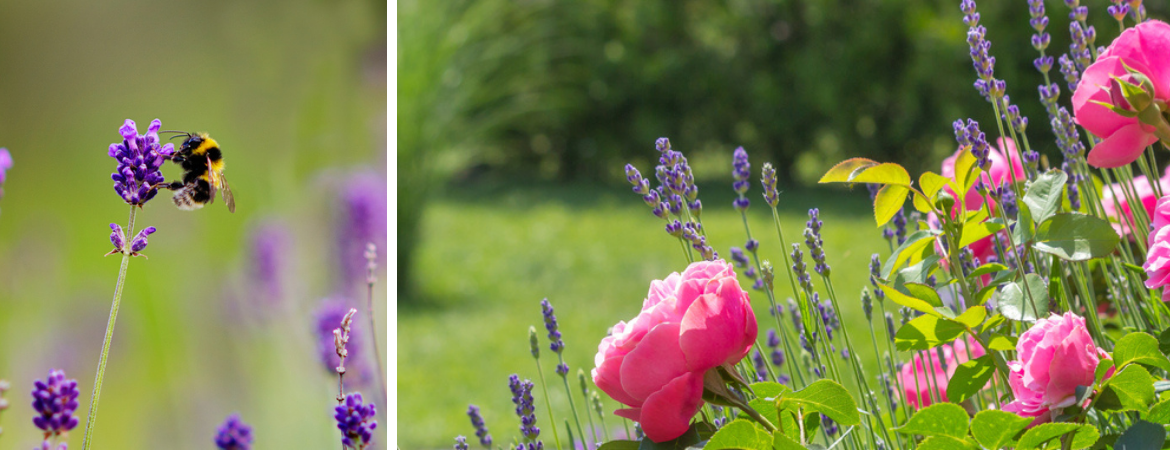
(668, 412)
(1122, 147)
(657, 360)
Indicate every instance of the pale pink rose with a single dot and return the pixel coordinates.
(1160, 216)
(1114, 201)
(1144, 48)
(930, 373)
(997, 176)
(1157, 263)
(689, 324)
(1056, 355)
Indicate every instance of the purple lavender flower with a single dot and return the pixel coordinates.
(139, 157)
(768, 180)
(5, 164)
(268, 244)
(481, 430)
(118, 238)
(234, 434)
(139, 243)
(738, 258)
(4, 386)
(55, 400)
(328, 316)
(550, 323)
(891, 330)
(741, 171)
(522, 398)
(363, 219)
(760, 366)
(356, 421)
(460, 442)
(1072, 75)
(816, 246)
(800, 269)
(773, 338)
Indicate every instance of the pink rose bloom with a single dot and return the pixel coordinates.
(917, 391)
(1115, 205)
(689, 324)
(997, 176)
(1157, 263)
(1056, 355)
(1160, 216)
(1144, 48)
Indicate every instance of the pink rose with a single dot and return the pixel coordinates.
(1144, 48)
(1157, 263)
(918, 391)
(997, 176)
(1056, 355)
(1114, 201)
(689, 324)
(1160, 216)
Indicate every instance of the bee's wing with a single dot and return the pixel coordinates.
(227, 193)
(212, 182)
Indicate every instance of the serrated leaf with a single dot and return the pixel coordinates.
(970, 378)
(986, 269)
(888, 201)
(1038, 435)
(1142, 435)
(927, 332)
(995, 429)
(782, 442)
(1159, 413)
(915, 244)
(944, 443)
(973, 316)
(1131, 389)
(931, 183)
(1016, 304)
(976, 231)
(905, 300)
(826, 397)
(841, 172)
(1044, 194)
(739, 434)
(940, 419)
(889, 174)
(1141, 348)
(999, 342)
(922, 204)
(924, 293)
(1076, 237)
(963, 173)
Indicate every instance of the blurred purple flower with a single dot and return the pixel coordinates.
(234, 434)
(356, 421)
(55, 400)
(328, 317)
(139, 159)
(5, 164)
(363, 216)
(269, 242)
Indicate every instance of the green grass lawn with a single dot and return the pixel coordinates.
(490, 253)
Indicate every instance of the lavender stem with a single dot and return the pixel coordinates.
(371, 278)
(97, 382)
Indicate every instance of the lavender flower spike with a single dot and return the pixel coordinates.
(5, 164)
(234, 434)
(356, 422)
(341, 339)
(55, 399)
(522, 397)
(327, 316)
(460, 442)
(4, 386)
(139, 157)
(481, 430)
(269, 242)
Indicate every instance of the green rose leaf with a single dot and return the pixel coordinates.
(1142, 435)
(740, 434)
(1044, 194)
(995, 429)
(1025, 227)
(1164, 340)
(927, 332)
(844, 170)
(1085, 435)
(1076, 237)
(1131, 389)
(889, 201)
(1160, 412)
(1001, 343)
(976, 231)
(765, 402)
(1016, 304)
(973, 316)
(970, 377)
(986, 269)
(916, 247)
(945, 443)
(940, 419)
(697, 433)
(826, 397)
(910, 302)
(1141, 348)
(931, 183)
(780, 441)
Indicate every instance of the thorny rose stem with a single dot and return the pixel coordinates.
(97, 382)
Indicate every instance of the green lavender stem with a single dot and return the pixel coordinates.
(374, 337)
(548, 404)
(101, 372)
(573, 407)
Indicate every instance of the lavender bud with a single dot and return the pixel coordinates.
(481, 430)
(137, 175)
(768, 180)
(139, 242)
(328, 315)
(550, 323)
(117, 237)
(460, 442)
(533, 342)
(341, 339)
(55, 400)
(234, 434)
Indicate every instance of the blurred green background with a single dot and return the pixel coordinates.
(294, 92)
(515, 119)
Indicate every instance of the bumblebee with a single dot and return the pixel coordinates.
(202, 163)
